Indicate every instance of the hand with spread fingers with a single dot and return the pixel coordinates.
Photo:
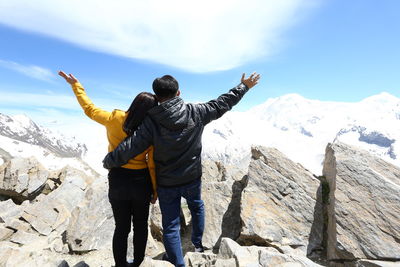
(252, 80)
(68, 78)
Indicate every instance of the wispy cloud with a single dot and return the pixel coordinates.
(32, 71)
(67, 103)
(31, 100)
(197, 36)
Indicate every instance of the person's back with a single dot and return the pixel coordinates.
(178, 128)
(175, 129)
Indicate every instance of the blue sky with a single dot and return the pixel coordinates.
(335, 50)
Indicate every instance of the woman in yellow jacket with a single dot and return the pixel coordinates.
(133, 186)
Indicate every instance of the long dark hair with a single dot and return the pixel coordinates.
(138, 110)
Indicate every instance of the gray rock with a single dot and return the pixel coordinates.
(18, 225)
(22, 178)
(225, 263)
(23, 238)
(6, 251)
(5, 233)
(195, 259)
(259, 256)
(53, 211)
(375, 263)
(282, 204)
(155, 221)
(243, 257)
(9, 210)
(149, 262)
(221, 192)
(91, 225)
(364, 205)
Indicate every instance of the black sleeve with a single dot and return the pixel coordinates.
(131, 147)
(214, 109)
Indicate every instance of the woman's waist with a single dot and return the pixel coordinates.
(129, 173)
(134, 164)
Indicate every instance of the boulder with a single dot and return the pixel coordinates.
(243, 257)
(221, 192)
(9, 210)
(22, 178)
(52, 212)
(24, 238)
(149, 262)
(376, 263)
(281, 205)
(248, 256)
(5, 233)
(225, 263)
(364, 205)
(195, 259)
(91, 224)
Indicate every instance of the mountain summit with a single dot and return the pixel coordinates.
(301, 128)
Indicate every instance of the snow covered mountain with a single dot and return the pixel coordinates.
(301, 128)
(22, 128)
(21, 137)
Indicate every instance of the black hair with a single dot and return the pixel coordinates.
(138, 111)
(165, 87)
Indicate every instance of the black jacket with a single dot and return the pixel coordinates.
(175, 130)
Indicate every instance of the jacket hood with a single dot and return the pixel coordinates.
(171, 114)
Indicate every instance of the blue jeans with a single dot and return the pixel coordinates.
(170, 204)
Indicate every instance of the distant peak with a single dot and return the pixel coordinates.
(291, 97)
(382, 97)
(22, 119)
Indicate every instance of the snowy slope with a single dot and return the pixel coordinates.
(21, 137)
(22, 128)
(301, 128)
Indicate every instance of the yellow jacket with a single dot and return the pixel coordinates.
(113, 122)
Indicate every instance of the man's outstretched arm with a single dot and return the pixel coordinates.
(214, 109)
(131, 147)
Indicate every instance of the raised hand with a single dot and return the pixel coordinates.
(68, 78)
(252, 80)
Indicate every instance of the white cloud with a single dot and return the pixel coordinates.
(23, 101)
(197, 36)
(32, 100)
(32, 71)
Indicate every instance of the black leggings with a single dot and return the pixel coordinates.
(129, 195)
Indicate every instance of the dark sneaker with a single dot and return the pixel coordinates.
(63, 264)
(81, 264)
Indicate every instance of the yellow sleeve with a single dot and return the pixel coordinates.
(93, 112)
(152, 169)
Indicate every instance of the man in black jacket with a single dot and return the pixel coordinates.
(175, 129)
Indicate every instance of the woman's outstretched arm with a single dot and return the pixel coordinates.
(92, 111)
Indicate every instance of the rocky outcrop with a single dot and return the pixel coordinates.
(221, 192)
(259, 256)
(91, 223)
(22, 178)
(275, 214)
(364, 205)
(281, 205)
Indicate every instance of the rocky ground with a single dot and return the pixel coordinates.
(275, 213)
